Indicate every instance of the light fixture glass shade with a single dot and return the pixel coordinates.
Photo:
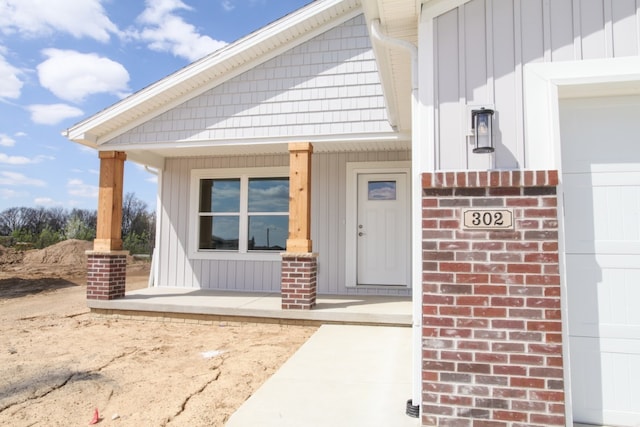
(482, 122)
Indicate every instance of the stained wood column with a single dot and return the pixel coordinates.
(109, 227)
(299, 240)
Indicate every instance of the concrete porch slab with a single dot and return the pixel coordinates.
(248, 306)
(343, 376)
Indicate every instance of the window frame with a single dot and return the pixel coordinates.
(244, 174)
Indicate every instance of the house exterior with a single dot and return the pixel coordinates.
(331, 152)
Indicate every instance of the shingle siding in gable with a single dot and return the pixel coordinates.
(328, 85)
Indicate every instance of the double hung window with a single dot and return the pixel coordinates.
(241, 212)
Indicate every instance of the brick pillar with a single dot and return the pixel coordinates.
(106, 274)
(492, 331)
(299, 277)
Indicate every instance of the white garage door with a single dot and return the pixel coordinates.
(601, 177)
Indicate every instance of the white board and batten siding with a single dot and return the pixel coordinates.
(328, 218)
(327, 86)
(480, 49)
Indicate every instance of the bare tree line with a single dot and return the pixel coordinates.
(40, 227)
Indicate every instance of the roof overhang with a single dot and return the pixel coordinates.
(398, 20)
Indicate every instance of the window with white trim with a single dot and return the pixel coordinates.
(241, 211)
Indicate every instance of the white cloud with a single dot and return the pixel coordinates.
(6, 193)
(6, 140)
(164, 31)
(227, 5)
(18, 179)
(52, 114)
(46, 201)
(10, 84)
(77, 187)
(20, 134)
(15, 160)
(37, 18)
(73, 76)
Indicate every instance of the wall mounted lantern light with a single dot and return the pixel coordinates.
(482, 125)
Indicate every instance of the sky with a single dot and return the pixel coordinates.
(62, 61)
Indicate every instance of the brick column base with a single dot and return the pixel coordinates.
(106, 274)
(492, 328)
(299, 280)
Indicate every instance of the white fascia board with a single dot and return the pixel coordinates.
(225, 58)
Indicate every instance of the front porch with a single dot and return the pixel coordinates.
(206, 306)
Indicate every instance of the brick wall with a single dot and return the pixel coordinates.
(492, 338)
(106, 275)
(299, 281)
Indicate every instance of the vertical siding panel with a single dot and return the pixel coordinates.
(532, 36)
(451, 149)
(318, 216)
(337, 191)
(242, 271)
(165, 230)
(625, 28)
(592, 30)
(508, 155)
(174, 218)
(562, 30)
(608, 28)
(475, 45)
(220, 274)
(342, 231)
(183, 273)
(205, 278)
(518, 104)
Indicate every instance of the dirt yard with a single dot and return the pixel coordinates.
(58, 363)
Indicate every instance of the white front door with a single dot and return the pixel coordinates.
(383, 229)
(601, 184)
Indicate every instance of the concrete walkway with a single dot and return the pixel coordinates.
(344, 375)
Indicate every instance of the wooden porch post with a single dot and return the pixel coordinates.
(299, 240)
(107, 262)
(299, 264)
(109, 227)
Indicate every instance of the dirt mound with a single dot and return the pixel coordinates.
(10, 256)
(68, 252)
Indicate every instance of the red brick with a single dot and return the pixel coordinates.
(472, 278)
(472, 300)
(548, 420)
(547, 396)
(544, 326)
(510, 416)
(489, 312)
(527, 382)
(482, 289)
(524, 268)
(455, 267)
